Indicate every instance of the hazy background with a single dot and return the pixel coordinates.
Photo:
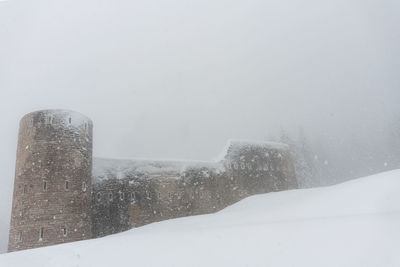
(178, 78)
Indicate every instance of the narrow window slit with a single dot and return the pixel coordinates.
(64, 231)
(41, 235)
(133, 197)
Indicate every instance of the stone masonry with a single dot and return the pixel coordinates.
(53, 177)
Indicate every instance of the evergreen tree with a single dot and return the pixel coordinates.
(303, 159)
(305, 162)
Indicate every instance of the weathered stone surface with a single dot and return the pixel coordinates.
(53, 168)
(58, 199)
(132, 193)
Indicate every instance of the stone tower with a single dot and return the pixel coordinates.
(52, 188)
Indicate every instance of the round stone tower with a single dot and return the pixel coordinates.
(52, 188)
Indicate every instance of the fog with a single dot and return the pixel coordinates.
(176, 79)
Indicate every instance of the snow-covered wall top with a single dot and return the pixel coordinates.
(235, 147)
(107, 168)
(235, 150)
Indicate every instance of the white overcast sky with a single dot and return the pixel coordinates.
(178, 78)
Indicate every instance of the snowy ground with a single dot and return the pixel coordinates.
(352, 224)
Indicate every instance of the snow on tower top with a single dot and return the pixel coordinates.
(59, 116)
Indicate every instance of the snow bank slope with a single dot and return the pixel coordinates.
(352, 224)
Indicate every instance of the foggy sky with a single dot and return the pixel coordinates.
(178, 78)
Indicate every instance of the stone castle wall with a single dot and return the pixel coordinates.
(129, 194)
(58, 199)
(52, 188)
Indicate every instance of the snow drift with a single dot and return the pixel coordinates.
(350, 224)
